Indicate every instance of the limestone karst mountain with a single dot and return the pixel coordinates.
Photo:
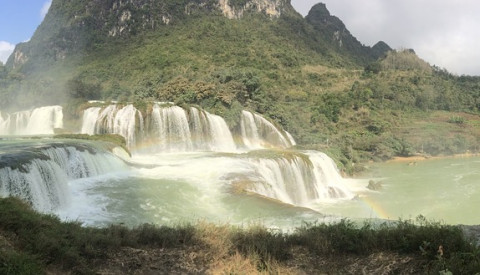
(123, 43)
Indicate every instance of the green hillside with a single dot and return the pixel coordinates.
(310, 75)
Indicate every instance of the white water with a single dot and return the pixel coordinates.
(114, 120)
(41, 175)
(258, 132)
(301, 179)
(39, 121)
(329, 183)
(183, 187)
(174, 129)
(211, 132)
(186, 165)
(44, 185)
(90, 116)
(170, 130)
(167, 129)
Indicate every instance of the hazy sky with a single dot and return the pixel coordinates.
(445, 33)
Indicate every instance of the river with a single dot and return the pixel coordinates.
(443, 190)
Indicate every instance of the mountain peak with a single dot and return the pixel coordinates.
(319, 10)
(334, 30)
(320, 16)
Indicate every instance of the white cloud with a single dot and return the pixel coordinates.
(45, 8)
(6, 50)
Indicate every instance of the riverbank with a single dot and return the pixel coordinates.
(413, 159)
(32, 243)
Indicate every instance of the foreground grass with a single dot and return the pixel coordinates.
(32, 243)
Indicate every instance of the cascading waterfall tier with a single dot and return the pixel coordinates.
(168, 128)
(297, 178)
(173, 128)
(39, 121)
(39, 172)
(126, 121)
(165, 129)
(257, 133)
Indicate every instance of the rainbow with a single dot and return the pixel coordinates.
(373, 206)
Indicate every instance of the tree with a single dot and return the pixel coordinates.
(81, 89)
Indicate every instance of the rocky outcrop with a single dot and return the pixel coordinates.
(19, 58)
(272, 8)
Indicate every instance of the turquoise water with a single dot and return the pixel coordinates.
(183, 188)
(134, 201)
(444, 190)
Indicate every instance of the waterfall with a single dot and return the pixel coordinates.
(124, 123)
(42, 184)
(210, 132)
(257, 133)
(114, 120)
(89, 120)
(297, 178)
(166, 128)
(327, 178)
(40, 175)
(290, 138)
(170, 129)
(175, 129)
(39, 121)
(220, 136)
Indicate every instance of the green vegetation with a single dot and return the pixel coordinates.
(34, 243)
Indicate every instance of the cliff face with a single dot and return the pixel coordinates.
(272, 8)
